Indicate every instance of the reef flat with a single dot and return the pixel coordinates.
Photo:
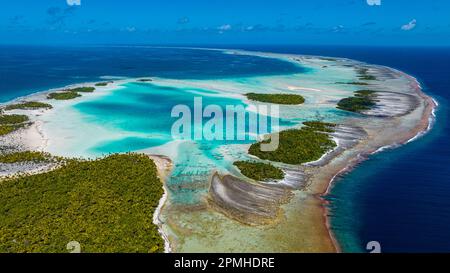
(209, 205)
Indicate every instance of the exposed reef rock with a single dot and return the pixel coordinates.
(389, 102)
(255, 203)
(294, 178)
(346, 137)
(246, 202)
(392, 104)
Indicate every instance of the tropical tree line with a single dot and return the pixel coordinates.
(10, 123)
(298, 146)
(259, 171)
(361, 101)
(105, 205)
(288, 99)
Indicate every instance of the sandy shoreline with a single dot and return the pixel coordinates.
(34, 138)
(164, 166)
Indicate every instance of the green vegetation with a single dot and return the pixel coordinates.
(102, 84)
(67, 95)
(12, 119)
(361, 101)
(145, 80)
(106, 205)
(363, 75)
(277, 98)
(27, 156)
(82, 89)
(70, 93)
(319, 126)
(6, 129)
(259, 171)
(28, 105)
(10, 123)
(299, 146)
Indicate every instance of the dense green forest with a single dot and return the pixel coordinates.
(82, 89)
(67, 95)
(28, 105)
(259, 171)
(10, 123)
(299, 146)
(362, 100)
(12, 119)
(319, 126)
(277, 98)
(6, 129)
(106, 205)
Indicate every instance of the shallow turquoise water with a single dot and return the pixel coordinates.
(142, 113)
(136, 117)
(124, 145)
(398, 197)
(145, 109)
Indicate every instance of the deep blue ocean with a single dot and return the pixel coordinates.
(400, 197)
(29, 69)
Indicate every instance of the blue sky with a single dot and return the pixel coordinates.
(337, 22)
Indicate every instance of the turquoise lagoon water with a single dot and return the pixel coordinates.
(142, 113)
(136, 116)
(399, 197)
(145, 109)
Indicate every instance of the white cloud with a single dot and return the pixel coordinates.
(223, 28)
(339, 28)
(374, 2)
(131, 29)
(73, 2)
(409, 26)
